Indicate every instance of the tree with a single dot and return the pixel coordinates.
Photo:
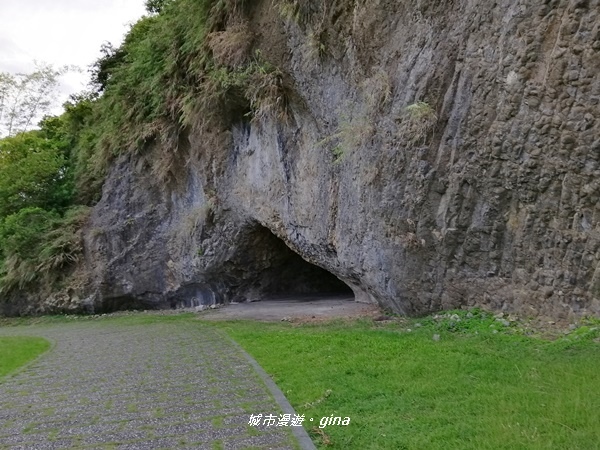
(33, 173)
(7, 84)
(156, 6)
(26, 97)
(103, 68)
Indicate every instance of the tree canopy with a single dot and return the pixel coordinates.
(176, 69)
(33, 172)
(26, 97)
(39, 215)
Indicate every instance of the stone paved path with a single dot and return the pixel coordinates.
(163, 385)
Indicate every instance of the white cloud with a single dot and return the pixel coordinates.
(61, 32)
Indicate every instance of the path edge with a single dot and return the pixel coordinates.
(300, 433)
(25, 366)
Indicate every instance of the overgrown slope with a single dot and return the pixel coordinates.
(428, 155)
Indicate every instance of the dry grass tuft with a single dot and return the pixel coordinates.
(351, 134)
(377, 91)
(268, 95)
(417, 121)
(298, 11)
(232, 47)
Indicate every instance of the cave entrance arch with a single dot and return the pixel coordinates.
(280, 273)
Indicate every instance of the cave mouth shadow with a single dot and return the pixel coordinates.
(284, 275)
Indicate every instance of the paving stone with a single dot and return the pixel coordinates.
(134, 387)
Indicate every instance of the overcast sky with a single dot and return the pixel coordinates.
(61, 32)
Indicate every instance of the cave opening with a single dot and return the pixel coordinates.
(282, 273)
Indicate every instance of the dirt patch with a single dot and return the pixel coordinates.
(294, 308)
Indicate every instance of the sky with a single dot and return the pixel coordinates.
(62, 32)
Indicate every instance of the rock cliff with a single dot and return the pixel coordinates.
(432, 155)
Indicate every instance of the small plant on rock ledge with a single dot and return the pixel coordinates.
(420, 111)
(351, 134)
(316, 44)
(419, 119)
(338, 153)
(267, 92)
(298, 11)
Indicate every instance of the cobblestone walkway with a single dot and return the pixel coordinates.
(165, 385)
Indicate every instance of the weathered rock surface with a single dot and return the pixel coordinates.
(488, 194)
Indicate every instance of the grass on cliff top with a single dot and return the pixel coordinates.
(457, 381)
(17, 351)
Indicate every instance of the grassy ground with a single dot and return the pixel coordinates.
(457, 381)
(18, 351)
(461, 380)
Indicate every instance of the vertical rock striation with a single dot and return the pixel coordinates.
(435, 155)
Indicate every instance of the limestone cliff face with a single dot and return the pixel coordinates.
(436, 154)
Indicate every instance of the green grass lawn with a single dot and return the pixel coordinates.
(482, 385)
(18, 351)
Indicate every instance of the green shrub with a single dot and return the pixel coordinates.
(21, 237)
(33, 173)
(63, 245)
(37, 244)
